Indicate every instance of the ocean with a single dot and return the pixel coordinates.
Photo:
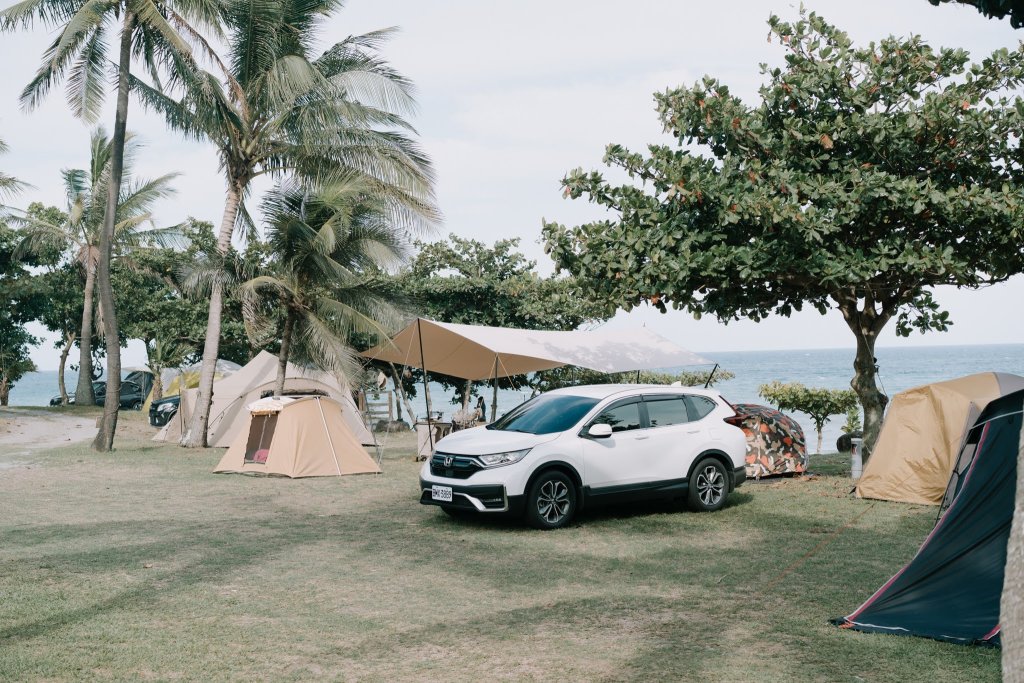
(899, 368)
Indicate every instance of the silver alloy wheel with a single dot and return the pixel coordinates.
(710, 485)
(553, 501)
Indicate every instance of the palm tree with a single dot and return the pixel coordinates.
(9, 185)
(282, 111)
(327, 245)
(156, 32)
(86, 192)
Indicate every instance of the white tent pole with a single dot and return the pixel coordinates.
(426, 389)
(334, 452)
(494, 396)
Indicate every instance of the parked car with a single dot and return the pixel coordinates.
(566, 449)
(97, 388)
(161, 412)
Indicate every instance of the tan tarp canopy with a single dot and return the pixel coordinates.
(306, 437)
(922, 434)
(478, 352)
(228, 415)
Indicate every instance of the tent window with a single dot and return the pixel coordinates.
(261, 434)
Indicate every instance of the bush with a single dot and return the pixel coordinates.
(819, 404)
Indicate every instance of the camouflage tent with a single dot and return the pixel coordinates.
(775, 442)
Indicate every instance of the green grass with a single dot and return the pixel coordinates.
(141, 564)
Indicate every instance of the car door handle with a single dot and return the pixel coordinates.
(641, 438)
(693, 431)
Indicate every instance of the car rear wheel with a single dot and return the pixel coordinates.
(137, 405)
(708, 486)
(551, 502)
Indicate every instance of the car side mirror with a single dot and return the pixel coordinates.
(599, 431)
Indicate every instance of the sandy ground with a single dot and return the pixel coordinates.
(23, 432)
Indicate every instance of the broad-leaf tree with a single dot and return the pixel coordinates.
(817, 403)
(282, 110)
(861, 178)
(80, 230)
(466, 281)
(994, 9)
(158, 34)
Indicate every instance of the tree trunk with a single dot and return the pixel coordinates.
(83, 392)
(195, 435)
(69, 338)
(872, 400)
(5, 391)
(467, 394)
(157, 392)
(401, 393)
(282, 360)
(104, 440)
(866, 323)
(1011, 608)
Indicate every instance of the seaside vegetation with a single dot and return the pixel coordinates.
(862, 177)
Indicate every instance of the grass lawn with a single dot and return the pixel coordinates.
(141, 564)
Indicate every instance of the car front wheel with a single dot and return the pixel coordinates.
(708, 486)
(551, 502)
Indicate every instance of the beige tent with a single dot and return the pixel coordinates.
(306, 437)
(922, 434)
(257, 378)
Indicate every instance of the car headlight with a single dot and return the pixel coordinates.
(166, 408)
(500, 459)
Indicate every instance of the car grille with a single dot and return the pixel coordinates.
(461, 467)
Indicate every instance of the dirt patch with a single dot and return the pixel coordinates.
(24, 431)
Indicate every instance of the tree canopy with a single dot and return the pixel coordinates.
(861, 178)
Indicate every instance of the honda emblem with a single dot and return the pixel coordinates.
(448, 460)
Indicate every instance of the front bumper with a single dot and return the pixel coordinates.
(479, 498)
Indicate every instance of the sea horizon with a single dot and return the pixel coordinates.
(900, 368)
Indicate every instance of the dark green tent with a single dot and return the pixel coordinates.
(951, 589)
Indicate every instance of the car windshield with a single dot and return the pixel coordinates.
(545, 414)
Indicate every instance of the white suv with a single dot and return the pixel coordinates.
(568, 448)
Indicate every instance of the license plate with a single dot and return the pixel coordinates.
(442, 493)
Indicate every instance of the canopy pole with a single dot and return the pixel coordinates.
(638, 377)
(708, 383)
(494, 395)
(426, 389)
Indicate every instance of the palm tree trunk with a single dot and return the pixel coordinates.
(195, 435)
(83, 392)
(104, 440)
(69, 338)
(282, 360)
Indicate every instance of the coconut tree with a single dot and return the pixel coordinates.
(327, 245)
(160, 34)
(86, 193)
(9, 185)
(285, 112)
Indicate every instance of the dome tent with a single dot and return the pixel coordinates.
(253, 381)
(922, 434)
(303, 437)
(951, 589)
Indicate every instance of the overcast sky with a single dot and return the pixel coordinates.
(514, 95)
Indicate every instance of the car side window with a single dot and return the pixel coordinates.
(623, 417)
(665, 411)
(699, 406)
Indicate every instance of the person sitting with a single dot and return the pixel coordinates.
(481, 409)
